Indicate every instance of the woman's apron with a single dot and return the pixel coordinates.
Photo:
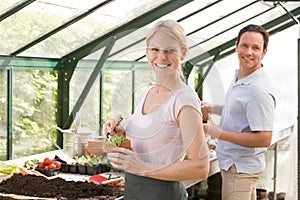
(144, 188)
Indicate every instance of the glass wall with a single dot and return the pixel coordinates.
(119, 87)
(34, 108)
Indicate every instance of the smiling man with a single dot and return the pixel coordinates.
(247, 117)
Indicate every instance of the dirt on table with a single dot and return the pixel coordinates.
(38, 186)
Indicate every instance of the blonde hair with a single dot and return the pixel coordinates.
(175, 31)
(171, 28)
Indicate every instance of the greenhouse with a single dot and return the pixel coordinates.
(75, 64)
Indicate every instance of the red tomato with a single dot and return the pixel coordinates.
(52, 166)
(57, 164)
(47, 161)
(41, 165)
(46, 167)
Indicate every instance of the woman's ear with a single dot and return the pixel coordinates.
(183, 54)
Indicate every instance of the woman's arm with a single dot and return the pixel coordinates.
(197, 162)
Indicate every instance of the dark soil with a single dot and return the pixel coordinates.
(38, 186)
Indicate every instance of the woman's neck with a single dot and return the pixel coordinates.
(168, 85)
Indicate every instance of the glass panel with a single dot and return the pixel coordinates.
(89, 110)
(117, 91)
(3, 114)
(33, 21)
(128, 48)
(200, 21)
(7, 4)
(92, 26)
(205, 36)
(131, 51)
(225, 24)
(34, 115)
(213, 13)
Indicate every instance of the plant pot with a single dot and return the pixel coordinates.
(64, 168)
(126, 145)
(102, 168)
(48, 172)
(92, 170)
(73, 169)
(82, 169)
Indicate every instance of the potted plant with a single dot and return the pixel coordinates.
(81, 164)
(73, 168)
(116, 141)
(92, 162)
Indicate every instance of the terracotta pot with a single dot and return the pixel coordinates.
(126, 145)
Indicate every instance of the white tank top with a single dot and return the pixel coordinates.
(156, 136)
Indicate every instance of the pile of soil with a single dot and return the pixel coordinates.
(38, 186)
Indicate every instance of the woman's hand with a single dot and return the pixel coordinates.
(127, 160)
(112, 128)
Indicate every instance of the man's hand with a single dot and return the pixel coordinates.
(210, 128)
(212, 108)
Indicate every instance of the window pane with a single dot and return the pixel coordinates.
(89, 111)
(91, 27)
(31, 22)
(34, 111)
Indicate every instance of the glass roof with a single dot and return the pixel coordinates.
(55, 28)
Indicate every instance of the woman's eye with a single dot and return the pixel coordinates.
(169, 51)
(154, 49)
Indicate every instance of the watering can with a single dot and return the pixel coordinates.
(74, 140)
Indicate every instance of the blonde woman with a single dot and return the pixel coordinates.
(166, 130)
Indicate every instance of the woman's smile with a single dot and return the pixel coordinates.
(159, 65)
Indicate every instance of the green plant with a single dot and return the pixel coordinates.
(115, 140)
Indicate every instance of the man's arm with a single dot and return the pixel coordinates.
(248, 139)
